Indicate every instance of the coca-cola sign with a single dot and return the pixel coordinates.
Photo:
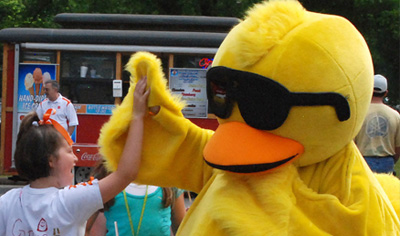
(90, 157)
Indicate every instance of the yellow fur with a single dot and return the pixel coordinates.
(142, 64)
(313, 56)
(164, 133)
(329, 190)
(391, 185)
(265, 29)
(147, 64)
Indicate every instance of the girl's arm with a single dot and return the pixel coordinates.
(178, 213)
(129, 163)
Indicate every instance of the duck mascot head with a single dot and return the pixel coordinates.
(290, 89)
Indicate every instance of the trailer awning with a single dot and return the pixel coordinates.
(146, 22)
(117, 48)
(112, 37)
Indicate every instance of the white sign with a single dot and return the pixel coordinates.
(117, 88)
(191, 85)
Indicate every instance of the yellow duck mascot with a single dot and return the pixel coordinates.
(290, 89)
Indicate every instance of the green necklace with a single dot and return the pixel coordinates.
(129, 212)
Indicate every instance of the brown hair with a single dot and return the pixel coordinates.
(35, 144)
(169, 196)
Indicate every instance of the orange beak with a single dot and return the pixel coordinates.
(239, 148)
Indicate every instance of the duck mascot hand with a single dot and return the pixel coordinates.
(290, 89)
(169, 139)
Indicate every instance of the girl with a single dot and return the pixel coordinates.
(44, 156)
(138, 210)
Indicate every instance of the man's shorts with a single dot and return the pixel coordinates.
(380, 164)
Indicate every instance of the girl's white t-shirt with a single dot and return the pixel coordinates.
(49, 211)
(140, 190)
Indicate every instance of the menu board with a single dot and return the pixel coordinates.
(190, 84)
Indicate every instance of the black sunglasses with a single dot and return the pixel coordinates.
(263, 103)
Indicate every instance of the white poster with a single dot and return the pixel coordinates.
(191, 85)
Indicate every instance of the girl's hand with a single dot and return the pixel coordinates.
(140, 98)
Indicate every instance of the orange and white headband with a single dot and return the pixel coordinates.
(59, 128)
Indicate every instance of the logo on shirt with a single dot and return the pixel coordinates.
(42, 226)
(378, 126)
(19, 229)
(59, 107)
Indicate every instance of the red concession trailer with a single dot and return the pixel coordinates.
(87, 57)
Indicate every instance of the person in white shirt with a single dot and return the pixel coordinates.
(65, 112)
(47, 206)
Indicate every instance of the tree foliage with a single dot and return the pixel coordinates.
(379, 23)
(377, 20)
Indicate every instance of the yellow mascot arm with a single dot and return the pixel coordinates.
(391, 185)
(172, 145)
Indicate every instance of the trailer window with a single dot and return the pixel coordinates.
(38, 57)
(86, 77)
(189, 61)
